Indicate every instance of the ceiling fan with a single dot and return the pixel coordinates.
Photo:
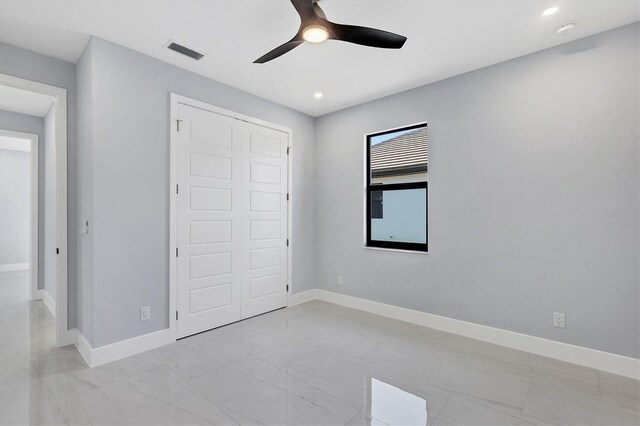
(315, 28)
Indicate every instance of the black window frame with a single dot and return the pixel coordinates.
(398, 245)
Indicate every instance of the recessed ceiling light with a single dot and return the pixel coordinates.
(315, 34)
(565, 29)
(318, 95)
(550, 11)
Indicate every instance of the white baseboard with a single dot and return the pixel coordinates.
(84, 347)
(592, 358)
(305, 296)
(67, 337)
(9, 267)
(123, 349)
(605, 361)
(47, 300)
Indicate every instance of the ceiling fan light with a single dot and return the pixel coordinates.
(315, 34)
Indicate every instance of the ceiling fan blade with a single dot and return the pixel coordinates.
(279, 51)
(318, 11)
(304, 8)
(366, 36)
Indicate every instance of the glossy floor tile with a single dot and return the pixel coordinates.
(313, 364)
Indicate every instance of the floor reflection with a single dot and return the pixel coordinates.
(394, 406)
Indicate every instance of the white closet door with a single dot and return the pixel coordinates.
(210, 216)
(231, 220)
(264, 280)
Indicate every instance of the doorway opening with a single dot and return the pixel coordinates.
(33, 207)
(19, 220)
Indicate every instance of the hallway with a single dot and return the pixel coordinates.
(32, 381)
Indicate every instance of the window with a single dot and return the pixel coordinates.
(397, 188)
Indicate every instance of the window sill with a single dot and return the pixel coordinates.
(395, 250)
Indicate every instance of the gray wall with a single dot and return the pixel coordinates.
(129, 109)
(15, 177)
(44, 69)
(35, 125)
(527, 160)
(84, 154)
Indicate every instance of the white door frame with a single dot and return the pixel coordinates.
(64, 336)
(176, 100)
(33, 207)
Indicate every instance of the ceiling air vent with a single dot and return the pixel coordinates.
(184, 50)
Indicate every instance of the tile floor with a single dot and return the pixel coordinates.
(313, 364)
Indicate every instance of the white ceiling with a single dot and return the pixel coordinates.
(445, 38)
(24, 101)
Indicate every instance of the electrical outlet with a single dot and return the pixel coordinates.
(145, 313)
(558, 319)
(340, 280)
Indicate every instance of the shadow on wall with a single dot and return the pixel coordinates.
(578, 46)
